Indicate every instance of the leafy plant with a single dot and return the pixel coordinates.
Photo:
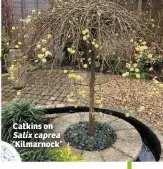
(134, 70)
(64, 155)
(147, 58)
(34, 154)
(152, 56)
(19, 111)
(47, 155)
(32, 68)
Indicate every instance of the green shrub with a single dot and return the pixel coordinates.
(32, 68)
(22, 111)
(34, 155)
(64, 155)
(19, 111)
(47, 155)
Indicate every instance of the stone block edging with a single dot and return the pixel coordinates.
(154, 129)
(126, 148)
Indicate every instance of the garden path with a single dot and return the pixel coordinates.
(50, 88)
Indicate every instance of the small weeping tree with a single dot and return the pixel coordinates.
(102, 26)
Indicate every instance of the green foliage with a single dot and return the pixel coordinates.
(150, 59)
(154, 61)
(34, 155)
(119, 66)
(47, 155)
(143, 76)
(135, 70)
(19, 111)
(32, 68)
(22, 111)
(64, 155)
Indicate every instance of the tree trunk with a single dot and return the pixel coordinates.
(92, 93)
(140, 6)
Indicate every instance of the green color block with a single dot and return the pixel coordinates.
(129, 165)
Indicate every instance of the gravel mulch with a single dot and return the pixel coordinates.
(141, 98)
(77, 136)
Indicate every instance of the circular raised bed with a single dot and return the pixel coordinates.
(77, 136)
(127, 146)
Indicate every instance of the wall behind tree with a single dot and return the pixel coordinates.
(21, 8)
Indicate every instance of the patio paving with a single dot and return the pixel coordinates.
(49, 89)
(40, 89)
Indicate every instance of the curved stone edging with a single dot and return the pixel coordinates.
(126, 148)
(154, 129)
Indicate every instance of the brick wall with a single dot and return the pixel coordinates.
(21, 8)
